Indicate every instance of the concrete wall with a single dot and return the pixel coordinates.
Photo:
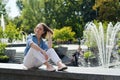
(17, 74)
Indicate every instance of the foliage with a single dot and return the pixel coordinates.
(31, 15)
(104, 24)
(19, 4)
(60, 13)
(90, 40)
(108, 10)
(2, 48)
(88, 55)
(118, 51)
(64, 34)
(118, 43)
(87, 12)
(55, 13)
(11, 32)
(2, 8)
(118, 39)
(89, 35)
(1, 32)
(3, 57)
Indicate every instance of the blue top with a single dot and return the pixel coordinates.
(33, 38)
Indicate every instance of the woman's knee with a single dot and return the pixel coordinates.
(50, 50)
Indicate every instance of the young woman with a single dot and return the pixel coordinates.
(37, 52)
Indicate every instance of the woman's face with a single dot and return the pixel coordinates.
(39, 30)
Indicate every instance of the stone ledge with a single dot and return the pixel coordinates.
(13, 74)
(16, 44)
(16, 72)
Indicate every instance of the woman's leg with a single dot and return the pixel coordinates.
(33, 59)
(55, 58)
(53, 55)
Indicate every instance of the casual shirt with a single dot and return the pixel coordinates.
(33, 38)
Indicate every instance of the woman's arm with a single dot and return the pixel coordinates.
(36, 47)
(49, 35)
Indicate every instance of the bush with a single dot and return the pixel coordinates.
(88, 55)
(4, 58)
(2, 48)
(64, 34)
(11, 32)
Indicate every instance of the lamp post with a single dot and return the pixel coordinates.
(79, 42)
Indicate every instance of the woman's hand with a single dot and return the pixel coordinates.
(49, 35)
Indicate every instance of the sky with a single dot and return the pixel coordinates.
(12, 9)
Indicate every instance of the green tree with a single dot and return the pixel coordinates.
(60, 13)
(108, 10)
(87, 11)
(55, 13)
(31, 14)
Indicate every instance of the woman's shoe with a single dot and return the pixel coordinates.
(33, 68)
(51, 68)
(62, 68)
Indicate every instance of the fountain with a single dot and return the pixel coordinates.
(4, 40)
(105, 41)
(2, 22)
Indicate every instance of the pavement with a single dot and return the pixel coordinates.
(69, 46)
(74, 46)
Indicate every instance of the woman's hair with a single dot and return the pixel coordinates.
(45, 28)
